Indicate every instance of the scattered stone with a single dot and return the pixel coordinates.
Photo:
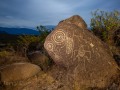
(84, 56)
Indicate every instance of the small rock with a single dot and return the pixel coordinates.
(39, 59)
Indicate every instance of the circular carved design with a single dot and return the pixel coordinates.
(59, 37)
(49, 46)
(81, 51)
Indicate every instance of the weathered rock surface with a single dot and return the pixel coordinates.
(41, 81)
(85, 57)
(39, 59)
(76, 20)
(18, 72)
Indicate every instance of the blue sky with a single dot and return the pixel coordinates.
(30, 13)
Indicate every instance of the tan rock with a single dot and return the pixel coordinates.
(17, 72)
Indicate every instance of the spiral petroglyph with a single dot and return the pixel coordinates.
(59, 37)
(49, 46)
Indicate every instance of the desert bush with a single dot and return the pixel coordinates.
(106, 25)
(43, 32)
(24, 41)
(4, 54)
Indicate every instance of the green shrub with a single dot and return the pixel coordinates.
(43, 32)
(25, 40)
(105, 24)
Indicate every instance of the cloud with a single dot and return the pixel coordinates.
(49, 12)
(10, 21)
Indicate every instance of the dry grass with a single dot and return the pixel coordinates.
(7, 57)
(4, 54)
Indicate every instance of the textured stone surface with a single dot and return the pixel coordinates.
(86, 58)
(17, 72)
(76, 20)
(42, 81)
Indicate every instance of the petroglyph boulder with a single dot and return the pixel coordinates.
(82, 53)
(18, 72)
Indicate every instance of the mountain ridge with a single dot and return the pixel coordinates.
(22, 31)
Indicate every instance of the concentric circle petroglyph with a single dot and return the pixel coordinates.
(59, 36)
(49, 46)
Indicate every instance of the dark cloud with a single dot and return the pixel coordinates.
(31, 13)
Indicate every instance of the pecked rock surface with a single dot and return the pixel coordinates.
(87, 61)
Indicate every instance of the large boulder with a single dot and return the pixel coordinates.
(85, 57)
(18, 72)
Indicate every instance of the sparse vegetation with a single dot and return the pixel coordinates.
(106, 25)
(43, 32)
(4, 54)
(24, 41)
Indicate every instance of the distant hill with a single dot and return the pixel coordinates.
(20, 31)
(3, 32)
